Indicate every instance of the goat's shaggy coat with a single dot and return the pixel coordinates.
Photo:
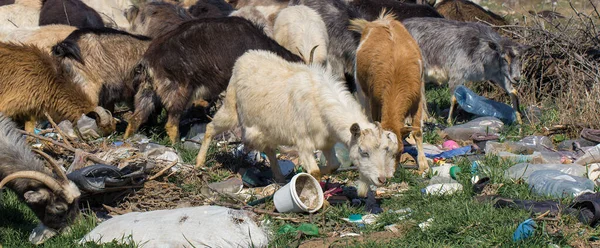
(43, 37)
(370, 9)
(55, 210)
(261, 16)
(341, 49)
(299, 29)
(32, 84)
(194, 62)
(155, 18)
(467, 11)
(210, 8)
(101, 61)
(389, 73)
(16, 16)
(458, 52)
(69, 12)
(302, 106)
(111, 11)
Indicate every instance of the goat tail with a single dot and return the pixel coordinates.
(358, 25)
(386, 15)
(68, 49)
(14, 151)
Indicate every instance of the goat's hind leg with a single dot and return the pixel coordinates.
(144, 104)
(417, 132)
(274, 163)
(225, 119)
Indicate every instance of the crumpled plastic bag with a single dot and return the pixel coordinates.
(204, 226)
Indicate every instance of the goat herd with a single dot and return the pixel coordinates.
(289, 70)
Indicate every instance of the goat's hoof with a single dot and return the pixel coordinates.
(316, 174)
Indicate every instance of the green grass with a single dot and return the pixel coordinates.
(17, 221)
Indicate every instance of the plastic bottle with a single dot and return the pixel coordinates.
(441, 180)
(442, 189)
(447, 170)
(486, 125)
(341, 152)
(524, 170)
(558, 184)
(478, 105)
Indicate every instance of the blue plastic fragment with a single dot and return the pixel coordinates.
(478, 105)
(524, 230)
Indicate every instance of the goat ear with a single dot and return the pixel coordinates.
(494, 46)
(392, 137)
(34, 197)
(355, 130)
(131, 13)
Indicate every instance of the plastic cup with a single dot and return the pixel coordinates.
(302, 194)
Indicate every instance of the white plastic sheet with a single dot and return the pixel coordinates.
(205, 226)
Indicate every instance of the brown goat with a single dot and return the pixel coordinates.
(389, 76)
(101, 61)
(155, 18)
(243, 3)
(32, 84)
(467, 11)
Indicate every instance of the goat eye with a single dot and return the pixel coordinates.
(364, 154)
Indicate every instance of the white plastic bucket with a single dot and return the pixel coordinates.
(302, 194)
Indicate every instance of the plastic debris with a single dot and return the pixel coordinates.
(219, 226)
(464, 132)
(232, 185)
(305, 228)
(558, 184)
(525, 230)
(447, 170)
(452, 153)
(426, 224)
(367, 219)
(341, 152)
(442, 189)
(524, 170)
(481, 106)
(191, 145)
(450, 144)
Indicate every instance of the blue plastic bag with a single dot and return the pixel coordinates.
(481, 106)
(452, 153)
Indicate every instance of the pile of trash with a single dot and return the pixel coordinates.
(136, 179)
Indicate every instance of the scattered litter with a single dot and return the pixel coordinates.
(367, 219)
(464, 132)
(341, 152)
(452, 153)
(525, 230)
(161, 153)
(302, 194)
(481, 106)
(193, 143)
(349, 235)
(442, 189)
(426, 224)
(305, 228)
(450, 144)
(391, 228)
(524, 170)
(232, 185)
(447, 170)
(558, 184)
(219, 226)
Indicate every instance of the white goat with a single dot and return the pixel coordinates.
(277, 102)
(300, 29)
(262, 16)
(16, 15)
(43, 37)
(111, 11)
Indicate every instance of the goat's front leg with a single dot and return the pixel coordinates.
(515, 104)
(30, 124)
(332, 162)
(452, 105)
(275, 165)
(172, 127)
(307, 158)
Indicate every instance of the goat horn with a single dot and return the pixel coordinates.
(105, 117)
(312, 53)
(55, 167)
(300, 53)
(49, 181)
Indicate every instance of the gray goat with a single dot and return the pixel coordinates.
(457, 52)
(53, 199)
